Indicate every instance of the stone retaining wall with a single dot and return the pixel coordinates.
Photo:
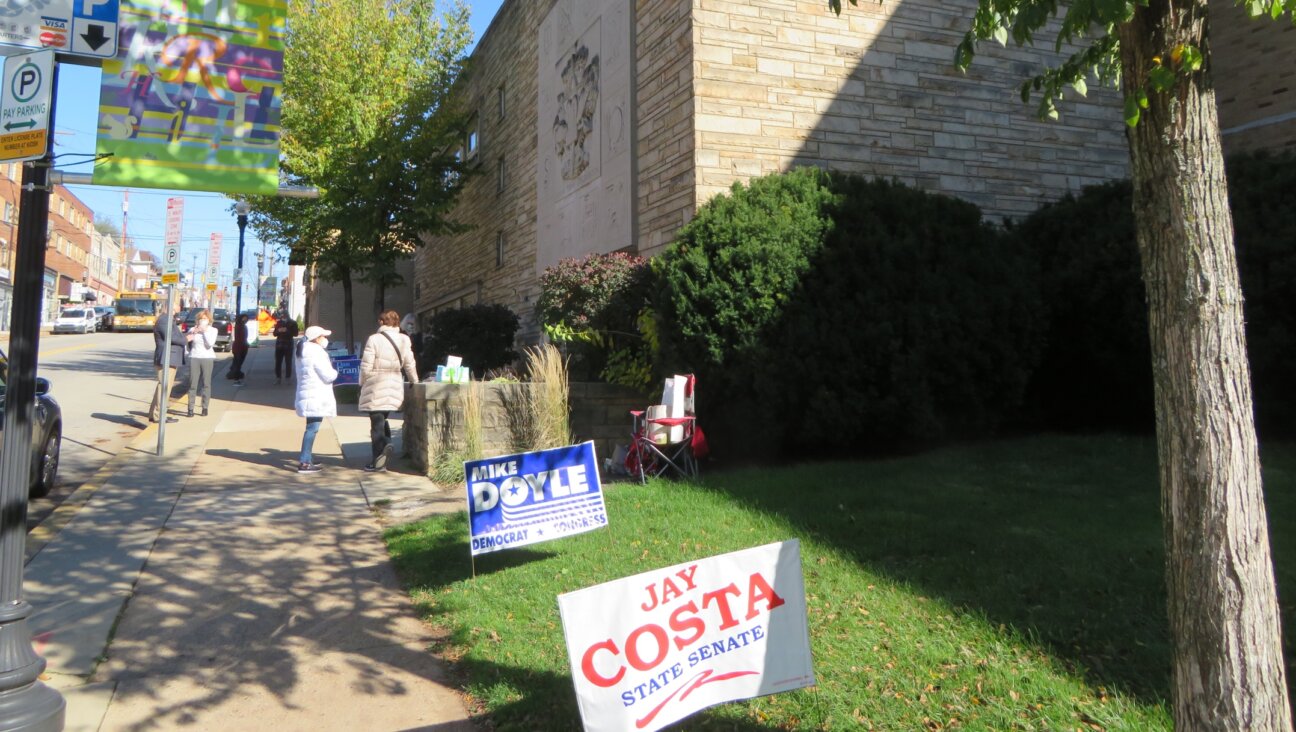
(434, 418)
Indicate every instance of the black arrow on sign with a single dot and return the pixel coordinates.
(95, 37)
(11, 126)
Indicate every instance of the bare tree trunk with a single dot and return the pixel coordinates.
(348, 318)
(1228, 662)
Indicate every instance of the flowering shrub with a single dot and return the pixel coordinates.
(595, 306)
(593, 291)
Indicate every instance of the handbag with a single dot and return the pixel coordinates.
(400, 355)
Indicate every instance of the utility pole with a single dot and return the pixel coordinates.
(125, 246)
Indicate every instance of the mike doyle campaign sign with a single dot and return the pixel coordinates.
(515, 500)
(651, 649)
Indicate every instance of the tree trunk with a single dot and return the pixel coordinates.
(347, 319)
(1227, 658)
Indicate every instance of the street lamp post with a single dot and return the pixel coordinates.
(241, 208)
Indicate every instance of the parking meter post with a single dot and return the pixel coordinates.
(25, 702)
(164, 380)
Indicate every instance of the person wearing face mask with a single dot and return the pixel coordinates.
(314, 400)
(202, 357)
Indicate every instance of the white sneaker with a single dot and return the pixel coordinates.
(380, 463)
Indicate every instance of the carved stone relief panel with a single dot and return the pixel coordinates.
(583, 184)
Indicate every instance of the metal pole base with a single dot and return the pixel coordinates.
(32, 708)
(25, 703)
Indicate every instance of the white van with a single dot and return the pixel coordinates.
(76, 320)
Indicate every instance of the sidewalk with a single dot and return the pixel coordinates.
(215, 588)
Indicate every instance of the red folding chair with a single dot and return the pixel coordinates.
(663, 445)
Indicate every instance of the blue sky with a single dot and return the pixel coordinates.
(76, 111)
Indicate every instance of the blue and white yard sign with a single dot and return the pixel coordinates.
(348, 368)
(515, 500)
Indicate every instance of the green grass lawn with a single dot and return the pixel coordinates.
(1005, 585)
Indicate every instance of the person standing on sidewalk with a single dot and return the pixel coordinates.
(387, 361)
(314, 401)
(158, 408)
(202, 360)
(285, 330)
(239, 348)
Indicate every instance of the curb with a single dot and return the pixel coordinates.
(48, 529)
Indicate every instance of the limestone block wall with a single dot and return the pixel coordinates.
(434, 418)
(494, 262)
(1253, 63)
(667, 176)
(780, 83)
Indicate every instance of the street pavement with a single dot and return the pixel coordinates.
(216, 588)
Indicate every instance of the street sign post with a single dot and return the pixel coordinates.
(73, 27)
(213, 260)
(171, 241)
(28, 80)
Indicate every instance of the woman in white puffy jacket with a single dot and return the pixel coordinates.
(387, 361)
(315, 401)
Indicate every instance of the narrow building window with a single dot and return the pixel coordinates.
(501, 176)
(500, 95)
(499, 249)
(473, 140)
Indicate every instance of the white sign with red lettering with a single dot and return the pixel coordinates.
(651, 649)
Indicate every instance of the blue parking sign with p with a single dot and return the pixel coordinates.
(102, 10)
(94, 28)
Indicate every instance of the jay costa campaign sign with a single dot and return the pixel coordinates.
(651, 649)
(515, 500)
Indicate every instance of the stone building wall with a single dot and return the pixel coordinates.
(494, 262)
(1254, 68)
(782, 83)
(666, 109)
(328, 305)
(725, 91)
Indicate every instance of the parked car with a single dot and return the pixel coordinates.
(221, 321)
(76, 320)
(105, 316)
(47, 432)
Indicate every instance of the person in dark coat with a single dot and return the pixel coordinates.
(239, 348)
(158, 408)
(285, 332)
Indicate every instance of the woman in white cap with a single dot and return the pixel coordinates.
(315, 401)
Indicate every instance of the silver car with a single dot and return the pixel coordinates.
(77, 320)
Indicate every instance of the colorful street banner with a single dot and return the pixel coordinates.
(192, 99)
(515, 500)
(649, 650)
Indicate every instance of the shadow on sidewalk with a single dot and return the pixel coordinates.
(268, 456)
(122, 419)
(279, 598)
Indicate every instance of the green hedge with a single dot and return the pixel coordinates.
(482, 334)
(836, 314)
(1096, 370)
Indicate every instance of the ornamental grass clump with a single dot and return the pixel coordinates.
(467, 445)
(550, 413)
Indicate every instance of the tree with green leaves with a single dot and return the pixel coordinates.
(367, 120)
(1228, 669)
